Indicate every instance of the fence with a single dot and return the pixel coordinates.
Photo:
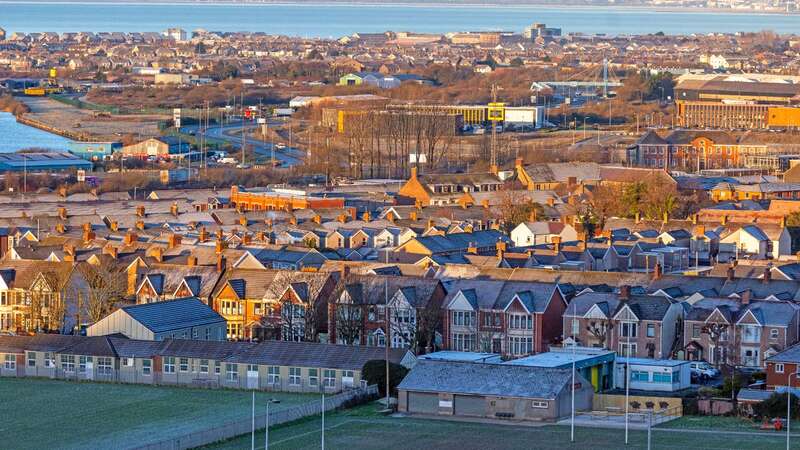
(241, 427)
(637, 403)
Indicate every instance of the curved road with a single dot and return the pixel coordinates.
(231, 133)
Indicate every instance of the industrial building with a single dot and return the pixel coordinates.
(745, 101)
(45, 161)
(94, 151)
(280, 199)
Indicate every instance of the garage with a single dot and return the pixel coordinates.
(469, 405)
(423, 402)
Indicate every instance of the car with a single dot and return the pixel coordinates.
(703, 370)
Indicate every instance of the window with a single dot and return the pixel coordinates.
(10, 362)
(576, 327)
(696, 329)
(773, 333)
(203, 366)
(464, 318)
(539, 404)
(232, 372)
(640, 376)
(68, 363)
(629, 329)
(31, 359)
(195, 333)
(217, 367)
(273, 375)
(627, 350)
(463, 342)
(751, 334)
(329, 378)
(184, 365)
(169, 364)
(49, 360)
(128, 362)
(521, 345)
(208, 334)
(147, 367)
(82, 361)
(312, 377)
(347, 378)
(520, 322)
(651, 330)
(104, 365)
(778, 368)
(676, 377)
(660, 377)
(294, 376)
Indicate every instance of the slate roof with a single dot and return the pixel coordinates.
(486, 379)
(160, 317)
(790, 355)
(312, 354)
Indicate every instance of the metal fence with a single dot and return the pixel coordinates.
(241, 427)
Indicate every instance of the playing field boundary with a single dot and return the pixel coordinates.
(241, 427)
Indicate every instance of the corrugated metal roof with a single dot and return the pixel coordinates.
(169, 315)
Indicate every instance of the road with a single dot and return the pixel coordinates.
(231, 133)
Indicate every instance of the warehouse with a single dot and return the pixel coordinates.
(45, 161)
(501, 391)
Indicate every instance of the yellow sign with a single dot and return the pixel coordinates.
(53, 73)
(497, 112)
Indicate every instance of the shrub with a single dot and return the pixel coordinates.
(635, 405)
(775, 406)
(374, 372)
(649, 404)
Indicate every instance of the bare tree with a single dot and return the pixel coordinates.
(600, 330)
(106, 285)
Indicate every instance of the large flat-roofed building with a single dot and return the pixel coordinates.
(745, 101)
(45, 161)
(280, 199)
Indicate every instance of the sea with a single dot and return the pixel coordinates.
(15, 136)
(335, 20)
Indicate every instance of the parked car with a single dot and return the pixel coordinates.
(703, 369)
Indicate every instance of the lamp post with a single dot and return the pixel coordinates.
(584, 128)
(253, 424)
(789, 406)
(266, 423)
(574, 343)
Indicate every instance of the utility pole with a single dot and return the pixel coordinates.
(243, 135)
(386, 317)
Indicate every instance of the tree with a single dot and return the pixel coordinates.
(516, 209)
(600, 330)
(374, 372)
(775, 406)
(105, 286)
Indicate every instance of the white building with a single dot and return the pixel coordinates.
(666, 375)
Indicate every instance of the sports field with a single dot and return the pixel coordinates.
(362, 428)
(52, 414)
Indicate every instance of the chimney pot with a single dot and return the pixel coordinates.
(624, 292)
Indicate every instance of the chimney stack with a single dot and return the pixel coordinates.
(556, 241)
(472, 248)
(246, 239)
(430, 224)
(746, 297)
(174, 240)
(111, 251)
(203, 235)
(174, 209)
(551, 202)
(221, 263)
(114, 226)
(243, 221)
(220, 245)
(317, 219)
(157, 253)
(501, 248)
(140, 225)
(62, 213)
(191, 261)
(130, 238)
(657, 271)
(412, 216)
(767, 274)
(624, 293)
(88, 236)
(140, 211)
(731, 273)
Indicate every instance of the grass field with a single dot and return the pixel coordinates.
(51, 414)
(720, 423)
(361, 428)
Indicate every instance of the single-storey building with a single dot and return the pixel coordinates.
(665, 375)
(594, 364)
(186, 318)
(498, 391)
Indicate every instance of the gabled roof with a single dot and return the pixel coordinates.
(160, 317)
(469, 378)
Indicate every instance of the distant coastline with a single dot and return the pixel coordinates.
(524, 4)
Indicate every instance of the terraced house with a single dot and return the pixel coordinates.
(739, 330)
(38, 296)
(507, 317)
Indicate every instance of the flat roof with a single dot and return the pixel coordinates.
(562, 359)
(653, 362)
(447, 355)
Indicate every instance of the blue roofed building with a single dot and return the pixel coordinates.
(44, 161)
(94, 151)
(186, 318)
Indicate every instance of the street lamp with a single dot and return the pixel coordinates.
(789, 406)
(574, 343)
(266, 423)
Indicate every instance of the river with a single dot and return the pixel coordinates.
(336, 20)
(15, 136)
